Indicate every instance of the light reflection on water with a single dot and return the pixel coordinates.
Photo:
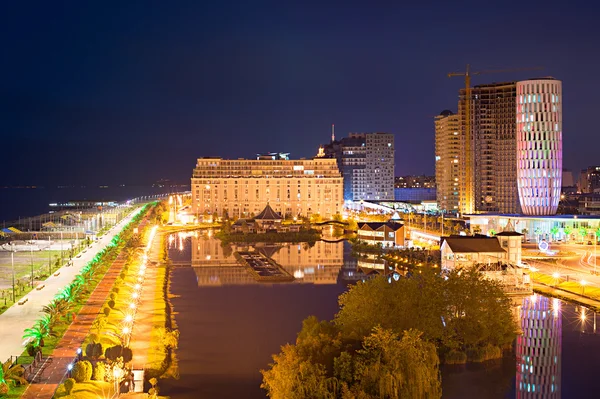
(555, 357)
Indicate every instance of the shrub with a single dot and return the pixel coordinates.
(106, 311)
(32, 349)
(94, 350)
(117, 351)
(115, 290)
(483, 353)
(93, 337)
(113, 296)
(82, 371)
(99, 372)
(3, 388)
(455, 357)
(111, 304)
(69, 384)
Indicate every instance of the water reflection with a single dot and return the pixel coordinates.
(215, 264)
(539, 349)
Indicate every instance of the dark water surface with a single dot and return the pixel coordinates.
(230, 326)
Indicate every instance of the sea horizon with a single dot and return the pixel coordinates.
(26, 201)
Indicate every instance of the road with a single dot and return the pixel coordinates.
(19, 317)
(578, 267)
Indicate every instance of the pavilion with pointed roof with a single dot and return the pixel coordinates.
(268, 219)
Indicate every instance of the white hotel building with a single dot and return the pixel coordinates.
(243, 187)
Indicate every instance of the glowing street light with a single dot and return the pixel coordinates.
(129, 318)
(132, 305)
(583, 284)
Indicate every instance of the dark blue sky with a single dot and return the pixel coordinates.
(132, 91)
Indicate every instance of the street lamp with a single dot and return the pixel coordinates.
(583, 284)
(31, 259)
(12, 262)
(555, 276)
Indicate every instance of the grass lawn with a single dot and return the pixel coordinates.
(87, 390)
(15, 392)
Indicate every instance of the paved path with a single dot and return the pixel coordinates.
(19, 317)
(141, 335)
(65, 350)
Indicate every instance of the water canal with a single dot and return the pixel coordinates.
(230, 326)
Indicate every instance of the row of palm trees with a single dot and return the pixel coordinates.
(67, 299)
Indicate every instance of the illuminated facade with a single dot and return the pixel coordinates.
(447, 167)
(539, 349)
(493, 135)
(539, 145)
(366, 161)
(243, 187)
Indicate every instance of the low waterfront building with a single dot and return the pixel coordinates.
(387, 234)
(242, 188)
(465, 251)
(539, 228)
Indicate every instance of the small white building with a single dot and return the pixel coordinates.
(467, 251)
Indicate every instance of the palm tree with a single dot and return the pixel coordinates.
(554, 231)
(36, 334)
(57, 309)
(12, 373)
(567, 230)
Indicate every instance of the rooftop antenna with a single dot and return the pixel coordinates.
(332, 132)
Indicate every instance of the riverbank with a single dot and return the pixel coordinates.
(569, 291)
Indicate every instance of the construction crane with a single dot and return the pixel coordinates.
(469, 204)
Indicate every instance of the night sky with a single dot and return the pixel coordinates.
(133, 91)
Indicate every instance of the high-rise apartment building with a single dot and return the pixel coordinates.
(539, 145)
(516, 141)
(589, 180)
(493, 135)
(447, 155)
(366, 161)
(242, 187)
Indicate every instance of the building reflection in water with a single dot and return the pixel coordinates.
(539, 348)
(215, 264)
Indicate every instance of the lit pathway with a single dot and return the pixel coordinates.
(19, 317)
(65, 350)
(142, 329)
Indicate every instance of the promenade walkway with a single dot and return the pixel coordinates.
(65, 351)
(19, 317)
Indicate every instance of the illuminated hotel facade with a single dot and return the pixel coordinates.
(539, 145)
(243, 187)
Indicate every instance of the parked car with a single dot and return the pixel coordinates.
(589, 243)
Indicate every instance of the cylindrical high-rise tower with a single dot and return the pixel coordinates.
(539, 145)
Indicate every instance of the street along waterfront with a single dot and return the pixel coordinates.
(231, 325)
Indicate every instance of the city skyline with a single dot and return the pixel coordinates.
(139, 83)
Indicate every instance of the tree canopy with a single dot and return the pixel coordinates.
(460, 311)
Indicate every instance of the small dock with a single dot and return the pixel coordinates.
(262, 268)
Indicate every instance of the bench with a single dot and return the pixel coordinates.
(40, 286)
(22, 301)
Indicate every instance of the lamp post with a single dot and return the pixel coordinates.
(583, 284)
(31, 259)
(12, 262)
